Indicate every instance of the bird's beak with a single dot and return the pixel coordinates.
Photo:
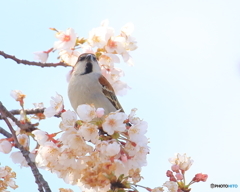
(89, 57)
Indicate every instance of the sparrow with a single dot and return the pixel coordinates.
(87, 85)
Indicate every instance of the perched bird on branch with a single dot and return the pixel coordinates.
(88, 86)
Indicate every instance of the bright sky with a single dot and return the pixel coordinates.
(185, 82)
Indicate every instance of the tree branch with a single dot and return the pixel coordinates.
(26, 126)
(42, 184)
(33, 63)
(5, 133)
(28, 111)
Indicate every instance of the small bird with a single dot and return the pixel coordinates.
(88, 86)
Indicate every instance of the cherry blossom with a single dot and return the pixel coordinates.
(67, 39)
(89, 132)
(86, 112)
(112, 149)
(41, 136)
(182, 161)
(115, 44)
(56, 106)
(7, 177)
(69, 56)
(114, 122)
(17, 95)
(69, 119)
(5, 146)
(136, 132)
(98, 37)
(18, 158)
(108, 60)
(23, 139)
(172, 186)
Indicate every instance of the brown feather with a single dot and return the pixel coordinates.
(108, 91)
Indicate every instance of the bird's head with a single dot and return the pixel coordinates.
(86, 64)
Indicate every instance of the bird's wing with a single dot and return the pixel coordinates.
(109, 92)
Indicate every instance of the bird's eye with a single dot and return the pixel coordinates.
(94, 58)
(82, 58)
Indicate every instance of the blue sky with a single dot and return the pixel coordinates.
(185, 82)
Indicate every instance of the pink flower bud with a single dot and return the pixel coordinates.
(172, 178)
(200, 177)
(169, 173)
(204, 177)
(175, 168)
(197, 177)
(179, 176)
(99, 112)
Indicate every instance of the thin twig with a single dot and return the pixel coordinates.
(26, 126)
(5, 133)
(42, 184)
(33, 63)
(28, 111)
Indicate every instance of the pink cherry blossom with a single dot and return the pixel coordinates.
(56, 106)
(114, 122)
(182, 161)
(67, 39)
(115, 44)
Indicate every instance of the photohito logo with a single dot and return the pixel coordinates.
(223, 185)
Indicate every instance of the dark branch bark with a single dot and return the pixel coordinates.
(25, 62)
(5, 133)
(6, 113)
(42, 184)
(28, 111)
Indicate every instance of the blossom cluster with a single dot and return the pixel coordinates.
(177, 182)
(181, 164)
(101, 41)
(7, 177)
(95, 151)
(23, 137)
